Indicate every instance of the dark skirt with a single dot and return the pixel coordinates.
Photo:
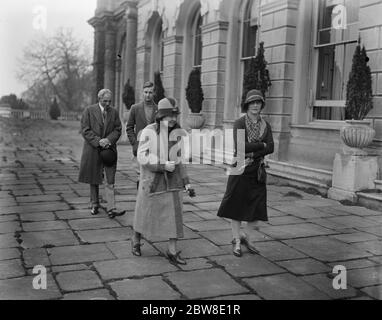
(245, 198)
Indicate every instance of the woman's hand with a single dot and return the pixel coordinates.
(189, 190)
(169, 166)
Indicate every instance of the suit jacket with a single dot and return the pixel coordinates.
(93, 129)
(136, 123)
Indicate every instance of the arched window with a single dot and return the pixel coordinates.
(157, 48)
(197, 41)
(249, 29)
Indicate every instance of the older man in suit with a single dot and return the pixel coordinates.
(141, 115)
(101, 128)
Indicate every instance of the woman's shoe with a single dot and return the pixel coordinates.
(175, 258)
(236, 248)
(136, 248)
(249, 246)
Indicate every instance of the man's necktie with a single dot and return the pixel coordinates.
(104, 115)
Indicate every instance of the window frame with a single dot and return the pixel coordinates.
(315, 49)
(195, 36)
(247, 5)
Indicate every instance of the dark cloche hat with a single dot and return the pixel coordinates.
(254, 95)
(108, 157)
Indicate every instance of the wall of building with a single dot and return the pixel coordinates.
(286, 29)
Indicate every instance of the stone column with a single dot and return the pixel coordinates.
(110, 55)
(131, 17)
(213, 71)
(172, 68)
(278, 31)
(98, 56)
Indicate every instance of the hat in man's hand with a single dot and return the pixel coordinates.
(108, 157)
(167, 107)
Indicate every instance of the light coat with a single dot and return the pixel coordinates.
(159, 205)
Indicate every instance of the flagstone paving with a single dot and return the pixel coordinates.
(45, 221)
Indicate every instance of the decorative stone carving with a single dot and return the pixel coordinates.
(357, 134)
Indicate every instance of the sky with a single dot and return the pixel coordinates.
(22, 20)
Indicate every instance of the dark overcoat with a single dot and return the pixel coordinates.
(136, 123)
(93, 130)
(245, 198)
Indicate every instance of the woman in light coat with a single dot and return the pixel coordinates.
(159, 206)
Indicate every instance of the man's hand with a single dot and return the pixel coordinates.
(170, 166)
(104, 143)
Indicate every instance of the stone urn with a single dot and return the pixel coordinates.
(195, 120)
(356, 135)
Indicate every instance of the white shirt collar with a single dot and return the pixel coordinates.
(102, 108)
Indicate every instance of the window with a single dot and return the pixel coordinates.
(157, 51)
(335, 49)
(161, 53)
(197, 42)
(249, 33)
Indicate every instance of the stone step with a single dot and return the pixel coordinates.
(321, 179)
(378, 184)
(371, 200)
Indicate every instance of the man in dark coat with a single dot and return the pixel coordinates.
(141, 115)
(101, 128)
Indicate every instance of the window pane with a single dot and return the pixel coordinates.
(329, 113)
(327, 34)
(161, 53)
(250, 29)
(335, 59)
(198, 44)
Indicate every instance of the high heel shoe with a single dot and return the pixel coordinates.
(248, 245)
(136, 248)
(175, 258)
(236, 248)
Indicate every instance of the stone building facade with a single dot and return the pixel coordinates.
(309, 62)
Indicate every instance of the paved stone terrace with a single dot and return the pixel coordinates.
(44, 220)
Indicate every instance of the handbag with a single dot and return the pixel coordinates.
(261, 172)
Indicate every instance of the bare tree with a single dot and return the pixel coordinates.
(58, 64)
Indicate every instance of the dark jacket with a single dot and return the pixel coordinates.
(93, 130)
(136, 123)
(254, 150)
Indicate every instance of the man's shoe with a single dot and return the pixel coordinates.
(236, 248)
(94, 211)
(249, 246)
(136, 248)
(114, 213)
(175, 258)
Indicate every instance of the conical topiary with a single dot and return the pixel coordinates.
(194, 91)
(128, 95)
(159, 92)
(54, 110)
(359, 87)
(257, 74)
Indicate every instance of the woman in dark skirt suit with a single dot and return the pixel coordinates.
(246, 198)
